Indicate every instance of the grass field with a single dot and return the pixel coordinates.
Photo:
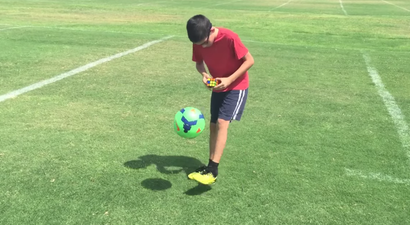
(324, 138)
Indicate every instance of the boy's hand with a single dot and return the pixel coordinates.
(224, 82)
(205, 78)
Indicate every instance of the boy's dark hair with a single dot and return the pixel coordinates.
(198, 28)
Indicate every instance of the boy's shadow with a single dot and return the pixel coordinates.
(168, 165)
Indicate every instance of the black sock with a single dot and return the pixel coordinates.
(213, 167)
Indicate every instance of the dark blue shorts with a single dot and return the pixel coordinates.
(228, 105)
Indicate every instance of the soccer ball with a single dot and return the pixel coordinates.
(189, 122)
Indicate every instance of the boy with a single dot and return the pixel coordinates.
(228, 60)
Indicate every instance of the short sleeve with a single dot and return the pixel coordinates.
(196, 55)
(239, 47)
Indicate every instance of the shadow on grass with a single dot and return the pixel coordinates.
(168, 165)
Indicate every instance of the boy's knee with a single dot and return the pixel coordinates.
(223, 123)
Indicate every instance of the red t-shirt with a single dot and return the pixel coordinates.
(224, 57)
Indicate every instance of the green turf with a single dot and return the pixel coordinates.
(316, 144)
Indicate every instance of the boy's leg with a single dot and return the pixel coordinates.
(217, 142)
(216, 102)
(220, 139)
(231, 109)
(212, 141)
(213, 132)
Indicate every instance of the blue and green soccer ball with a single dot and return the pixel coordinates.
(189, 122)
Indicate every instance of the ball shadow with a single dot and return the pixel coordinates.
(156, 184)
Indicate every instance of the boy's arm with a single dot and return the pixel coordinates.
(248, 62)
(246, 65)
(200, 66)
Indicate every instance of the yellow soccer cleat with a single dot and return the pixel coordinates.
(196, 172)
(205, 177)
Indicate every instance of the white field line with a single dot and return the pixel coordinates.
(12, 28)
(277, 7)
(392, 107)
(343, 8)
(408, 10)
(398, 119)
(78, 70)
(377, 176)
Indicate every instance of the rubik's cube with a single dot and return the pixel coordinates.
(211, 82)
